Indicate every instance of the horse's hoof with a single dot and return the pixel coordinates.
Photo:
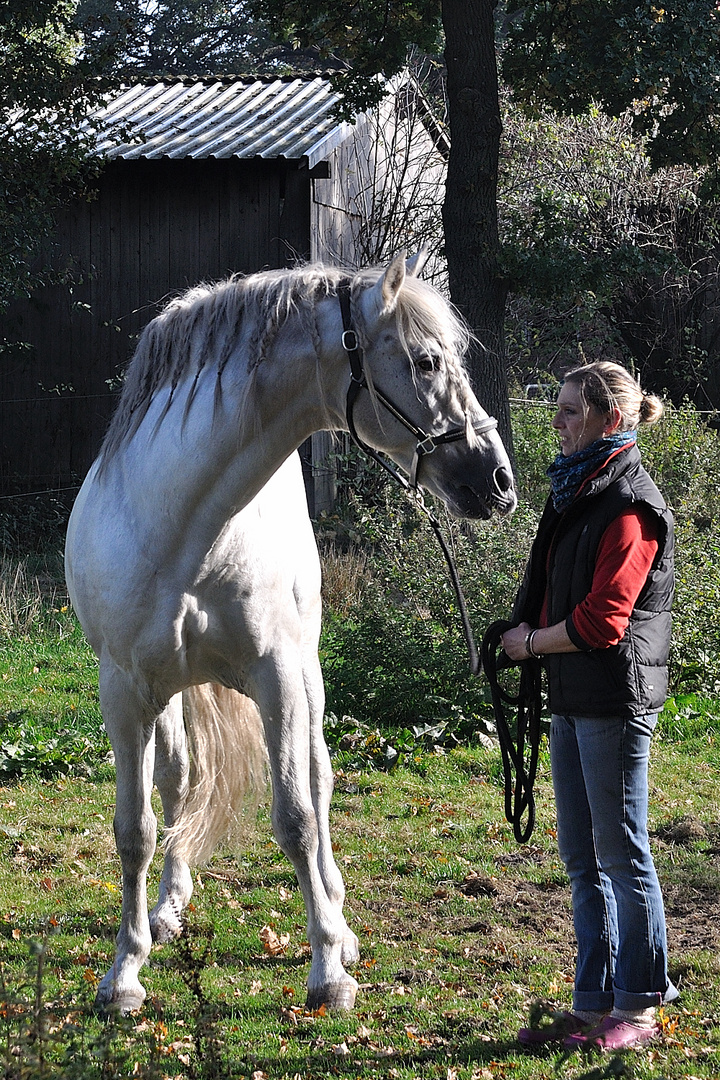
(340, 997)
(109, 1003)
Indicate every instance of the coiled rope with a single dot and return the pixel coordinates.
(519, 752)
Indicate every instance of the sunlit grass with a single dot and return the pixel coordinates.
(460, 929)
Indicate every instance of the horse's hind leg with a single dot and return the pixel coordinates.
(130, 727)
(171, 780)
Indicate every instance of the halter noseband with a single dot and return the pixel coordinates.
(426, 443)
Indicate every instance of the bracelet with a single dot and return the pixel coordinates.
(529, 645)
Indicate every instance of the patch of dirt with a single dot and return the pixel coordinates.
(541, 912)
(507, 911)
(478, 885)
(685, 831)
(693, 918)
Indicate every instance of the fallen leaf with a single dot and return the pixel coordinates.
(274, 944)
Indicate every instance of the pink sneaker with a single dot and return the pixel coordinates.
(611, 1034)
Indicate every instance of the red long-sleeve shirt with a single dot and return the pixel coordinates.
(625, 555)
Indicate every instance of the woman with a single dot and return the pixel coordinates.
(595, 605)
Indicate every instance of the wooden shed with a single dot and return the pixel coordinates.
(201, 179)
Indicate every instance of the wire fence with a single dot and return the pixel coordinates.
(546, 403)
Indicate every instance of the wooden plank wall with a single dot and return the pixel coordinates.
(155, 228)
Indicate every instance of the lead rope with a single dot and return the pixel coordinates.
(519, 777)
(519, 755)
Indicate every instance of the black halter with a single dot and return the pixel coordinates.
(426, 443)
(519, 760)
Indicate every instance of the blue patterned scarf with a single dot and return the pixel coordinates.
(568, 474)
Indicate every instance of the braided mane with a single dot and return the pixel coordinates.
(200, 330)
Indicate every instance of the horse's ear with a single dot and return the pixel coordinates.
(392, 282)
(415, 265)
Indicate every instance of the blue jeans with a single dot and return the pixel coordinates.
(600, 777)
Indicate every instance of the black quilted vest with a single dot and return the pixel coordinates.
(630, 678)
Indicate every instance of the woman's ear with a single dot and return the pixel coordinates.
(614, 419)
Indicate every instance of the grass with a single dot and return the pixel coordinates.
(461, 930)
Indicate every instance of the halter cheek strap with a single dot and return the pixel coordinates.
(426, 443)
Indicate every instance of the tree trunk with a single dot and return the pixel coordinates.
(470, 208)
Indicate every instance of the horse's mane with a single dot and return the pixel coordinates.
(200, 329)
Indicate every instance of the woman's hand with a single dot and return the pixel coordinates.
(513, 641)
(545, 639)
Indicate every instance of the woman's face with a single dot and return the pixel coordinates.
(578, 424)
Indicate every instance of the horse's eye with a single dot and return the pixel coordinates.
(425, 363)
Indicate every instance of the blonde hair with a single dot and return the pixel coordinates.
(610, 386)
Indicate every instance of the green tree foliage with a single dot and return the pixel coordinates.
(48, 81)
(607, 257)
(373, 38)
(178, 37)
(659, 63)
(361, 39)
(660, 58)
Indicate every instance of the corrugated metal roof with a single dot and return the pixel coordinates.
(223, 118)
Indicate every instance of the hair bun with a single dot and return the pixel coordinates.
(651, 409)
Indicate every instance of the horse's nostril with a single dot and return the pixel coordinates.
(503, 479)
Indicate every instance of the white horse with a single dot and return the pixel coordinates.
(192, 567)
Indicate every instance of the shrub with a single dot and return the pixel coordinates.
(393, 652)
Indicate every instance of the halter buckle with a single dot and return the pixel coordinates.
(349, 341)
(426, 445)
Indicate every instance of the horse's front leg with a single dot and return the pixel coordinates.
(130, 727)
(321, 785)
(171, 779)
(283, 704)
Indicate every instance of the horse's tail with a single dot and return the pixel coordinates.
(228, 768)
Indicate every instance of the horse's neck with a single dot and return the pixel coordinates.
(201, 470)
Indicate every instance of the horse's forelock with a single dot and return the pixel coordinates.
(422, 314)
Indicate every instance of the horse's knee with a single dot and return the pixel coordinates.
(296, 831)
(135, 839)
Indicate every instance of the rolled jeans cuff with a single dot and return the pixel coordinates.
(623, 999)
(591, 1001)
